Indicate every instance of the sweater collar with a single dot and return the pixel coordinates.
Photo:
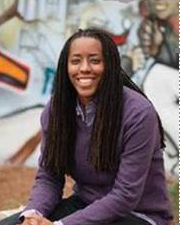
(86, 113)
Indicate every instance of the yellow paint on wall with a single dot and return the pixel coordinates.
(9, 33)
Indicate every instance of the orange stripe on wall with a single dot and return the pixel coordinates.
(13, 70)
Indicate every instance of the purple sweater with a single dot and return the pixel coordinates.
(139, 184)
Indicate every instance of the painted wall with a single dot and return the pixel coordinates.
(32, 33)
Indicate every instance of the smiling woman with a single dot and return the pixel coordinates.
(101, 130)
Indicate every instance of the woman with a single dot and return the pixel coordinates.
(103, 132)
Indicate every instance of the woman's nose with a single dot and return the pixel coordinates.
(85, 67)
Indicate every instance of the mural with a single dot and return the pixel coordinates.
(31, 36)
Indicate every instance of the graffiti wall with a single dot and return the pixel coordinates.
(32, 33)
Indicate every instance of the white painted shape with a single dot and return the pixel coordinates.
(16, 130)
(161, 86)
(32, 161)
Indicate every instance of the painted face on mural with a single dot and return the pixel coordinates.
(85, 67)
(166, 9)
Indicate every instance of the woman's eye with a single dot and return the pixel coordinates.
(75, 61)
(95, 61)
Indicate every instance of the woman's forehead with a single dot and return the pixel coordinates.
(82, 44)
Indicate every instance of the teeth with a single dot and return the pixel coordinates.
(85, 81)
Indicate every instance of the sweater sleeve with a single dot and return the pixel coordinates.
(140, 139)
(47, 189)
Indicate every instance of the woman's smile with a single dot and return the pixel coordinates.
(85, 81)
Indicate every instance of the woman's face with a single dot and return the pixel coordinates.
(85, 67)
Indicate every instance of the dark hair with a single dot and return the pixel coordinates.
(58, 155)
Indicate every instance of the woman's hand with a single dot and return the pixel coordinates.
(36, 220)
